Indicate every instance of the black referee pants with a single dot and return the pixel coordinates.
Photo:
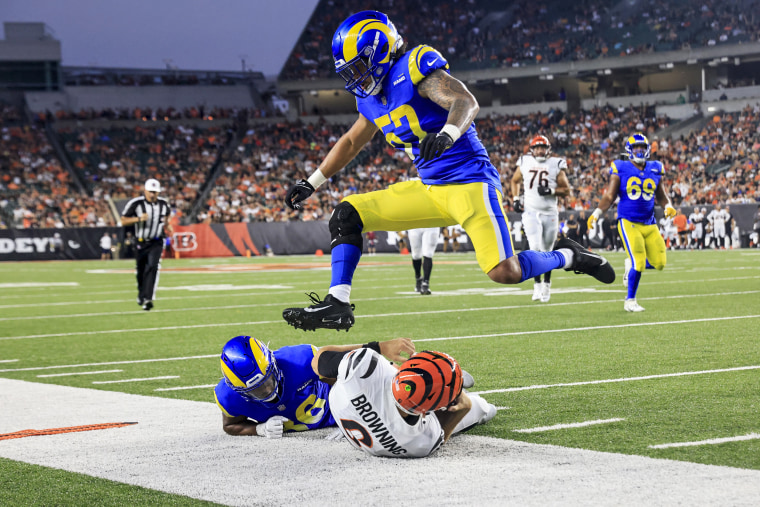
(148, 254)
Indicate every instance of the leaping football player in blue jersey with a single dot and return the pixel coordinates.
(268, 393)
(638, 183)
(424, 111)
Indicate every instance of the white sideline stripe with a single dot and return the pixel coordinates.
(78, 373)
(133, 380)
(131, 290)
(261, 322)
(413, 295)
(485, 281)
(184, 388)
(613, 380)
(589, 328)
(112, 331)
(8, 360)
(568, 426)
(42, 285)
(712, 441)
(134, 361)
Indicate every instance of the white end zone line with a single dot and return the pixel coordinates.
(184, 388)
(78, 373)
(613, 380)
(134, 380)
(409, 295)
(712, 441)
(589, 328)
(569, 425)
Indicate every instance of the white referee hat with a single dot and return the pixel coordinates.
(152, 185)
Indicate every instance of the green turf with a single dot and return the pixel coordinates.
(32, 485)
(702, 314)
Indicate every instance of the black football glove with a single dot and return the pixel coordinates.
(433, 145)
(297, 193)
(517, 205)
(544, 190)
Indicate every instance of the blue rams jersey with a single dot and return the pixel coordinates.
(637, 189)
(405, 118)
(303, 400)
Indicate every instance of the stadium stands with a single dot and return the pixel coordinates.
(480, 34)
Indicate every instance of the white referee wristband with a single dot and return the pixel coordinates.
(597, 213)
(453, 131)
(316, 179)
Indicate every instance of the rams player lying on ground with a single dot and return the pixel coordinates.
(269, 393)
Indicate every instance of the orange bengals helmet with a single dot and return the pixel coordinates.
(540, 140)
(426, 382)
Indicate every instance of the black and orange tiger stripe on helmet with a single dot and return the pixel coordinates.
(426, 382)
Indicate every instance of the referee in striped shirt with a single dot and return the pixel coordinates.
(149, 214)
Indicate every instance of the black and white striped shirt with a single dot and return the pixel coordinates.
(158, 212)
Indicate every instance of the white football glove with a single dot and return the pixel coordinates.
(272, 428)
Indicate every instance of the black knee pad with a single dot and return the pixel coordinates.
(346, 226)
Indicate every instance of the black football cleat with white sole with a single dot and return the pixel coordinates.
(328, 314)
(587, 262)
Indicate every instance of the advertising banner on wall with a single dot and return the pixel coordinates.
(265, 238)
(52, 244)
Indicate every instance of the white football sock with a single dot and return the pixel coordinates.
(341, 292)
(568, 255)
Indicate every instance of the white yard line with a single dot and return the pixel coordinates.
(8, 360)
(568, 426)
(134, 380)
(614, 380)
(447, 311)
(78, 373)
(412, 296)
(712, 441)
(110, 363)
(515, 291)
(207, 386)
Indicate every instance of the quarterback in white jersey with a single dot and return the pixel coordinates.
(388, 411)
(422, 243)
(544, 179)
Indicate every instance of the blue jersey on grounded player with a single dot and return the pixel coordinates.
(405, 118)
(637, 189)
(303, 400)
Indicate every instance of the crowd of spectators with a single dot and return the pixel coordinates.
(258, 174)
(479, 34)
(116, 162)
(716, 162)
(159, 114)
(37, 191)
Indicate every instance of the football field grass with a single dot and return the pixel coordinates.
(679, 381)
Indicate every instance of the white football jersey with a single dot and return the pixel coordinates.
(361, 402)
(718, 217)
(535, 174)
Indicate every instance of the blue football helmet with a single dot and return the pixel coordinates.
(637, 147)
(249, 368)
(364, 48)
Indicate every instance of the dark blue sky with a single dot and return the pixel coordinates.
(194, 34)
